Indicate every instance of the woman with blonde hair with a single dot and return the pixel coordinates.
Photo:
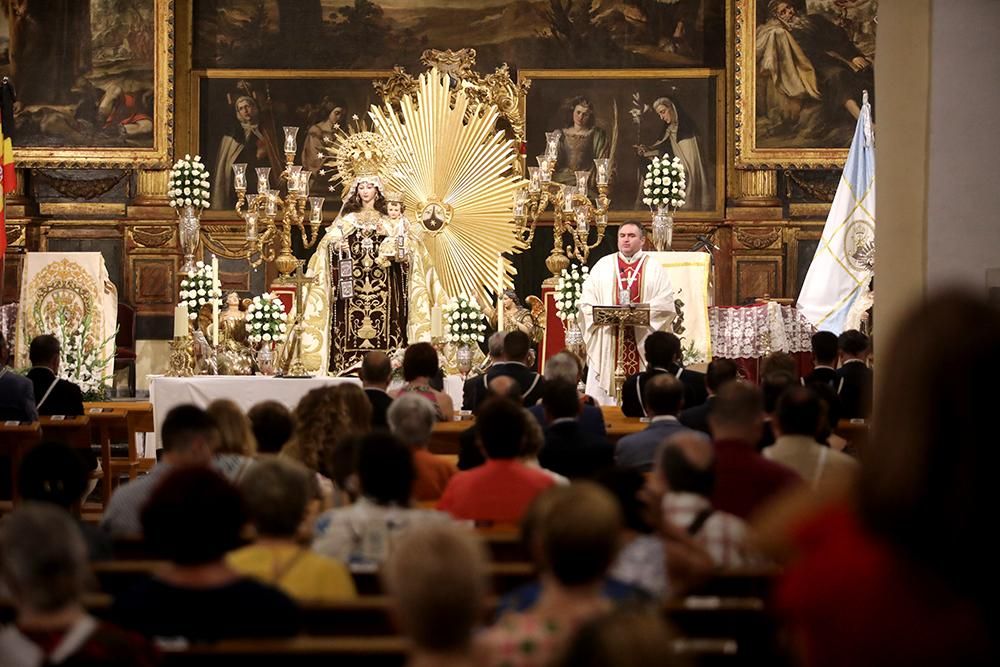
(237, 444)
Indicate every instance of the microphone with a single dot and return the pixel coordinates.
(704, 242)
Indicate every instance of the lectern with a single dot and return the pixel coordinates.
(631, 315)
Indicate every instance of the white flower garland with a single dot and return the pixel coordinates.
(665, 183)
(568, 291)
(188, 184)
(464, 321)
(200, 289)
(266, 319)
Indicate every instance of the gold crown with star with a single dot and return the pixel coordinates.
(359, 156)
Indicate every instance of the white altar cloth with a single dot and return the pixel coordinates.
(165, 393)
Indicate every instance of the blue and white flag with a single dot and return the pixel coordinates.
(836, 289)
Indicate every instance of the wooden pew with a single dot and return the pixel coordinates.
(742, 582)
(295, 652)
(107, 424)
(15, 440)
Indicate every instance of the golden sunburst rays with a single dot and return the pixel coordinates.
(456, 172)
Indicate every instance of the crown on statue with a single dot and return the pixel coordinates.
(360, 156)
(393, 197)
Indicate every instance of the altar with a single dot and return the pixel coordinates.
(166, 393)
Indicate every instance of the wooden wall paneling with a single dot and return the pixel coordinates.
(13, 261)
(155, 283)
(756, 276)
(801, 244)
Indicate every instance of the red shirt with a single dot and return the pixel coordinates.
(433, 473)
(500, 491)
(852, 599)
(744, 479)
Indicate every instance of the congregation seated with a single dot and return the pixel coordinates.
(364, 534)
(272, 426)
(53, 472)
(411, 419)
(43, 566)
(718, 373)
(189, 436)
(566, 367)
(664, 396)
(237, 445)
(779, 362)
(663, 355)
(642, 559)
(470, 453)
(799, 419)
(375, 373)
(420, 365)
(744, 480)
(53, 395)
(438, 582)
(325, 418)
(193, 518)
(772, 386)
(570, 450)
(905, 561)
(280, 499)
(623, 637)
(17, 393)
(501, 489)
(685, 468)
(579, 536)
(514, 363)
(855, 378)
(824, 357)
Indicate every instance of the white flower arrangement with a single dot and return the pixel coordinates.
(81, 361)
(266, 319)
(188, 184)
(200, 289)
(463, 321)
(568, 291)
(665, 183)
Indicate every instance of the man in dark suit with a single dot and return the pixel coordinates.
(471, 388)
(565, 366)
(516, 347)
(663, 399)
(855, 378)
(663, 355)
(376, 370)
(824, 354)
(569, 450)
(720, 371)
(470, 455)
(17, 395)
(53, 396)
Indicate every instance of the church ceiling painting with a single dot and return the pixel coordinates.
(632, 116)
(376, 34)
(241, 115)
(801, 67)
(93, 80)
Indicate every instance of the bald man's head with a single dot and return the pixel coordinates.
(505, 386)
(687, 463)
(376, 369)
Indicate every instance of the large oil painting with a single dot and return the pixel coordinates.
(375, 34)
(241, 116)
(633, 117)
(92, 75)
(803, 68)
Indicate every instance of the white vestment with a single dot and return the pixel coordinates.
(600, 289)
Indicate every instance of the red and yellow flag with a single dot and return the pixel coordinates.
(8, 176)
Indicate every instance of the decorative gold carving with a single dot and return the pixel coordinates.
(757, 240)
(181, 358)
(79, 188)
(151, 237)
(15, 236)
(76, 208)
(818, 190)
(757, 187)
(229, 241)
(817, 211)
(457, 63)
(151, 186)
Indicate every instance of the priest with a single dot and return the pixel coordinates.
(628, 276)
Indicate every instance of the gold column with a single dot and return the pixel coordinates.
(151, 187)
(757, 187)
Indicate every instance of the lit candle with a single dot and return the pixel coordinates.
(500, 293)
(215, 301)
(436, 326)
(180, 321)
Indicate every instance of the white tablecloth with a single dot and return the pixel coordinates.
(166, 393)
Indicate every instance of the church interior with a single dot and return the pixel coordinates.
(531, 332)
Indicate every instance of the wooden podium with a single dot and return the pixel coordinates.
(632, 315)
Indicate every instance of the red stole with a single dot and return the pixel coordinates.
(630, 351)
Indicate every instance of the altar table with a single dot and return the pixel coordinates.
(246, 391)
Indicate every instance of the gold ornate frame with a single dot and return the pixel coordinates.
(100, 157)
(718, 76)
(748, 154)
